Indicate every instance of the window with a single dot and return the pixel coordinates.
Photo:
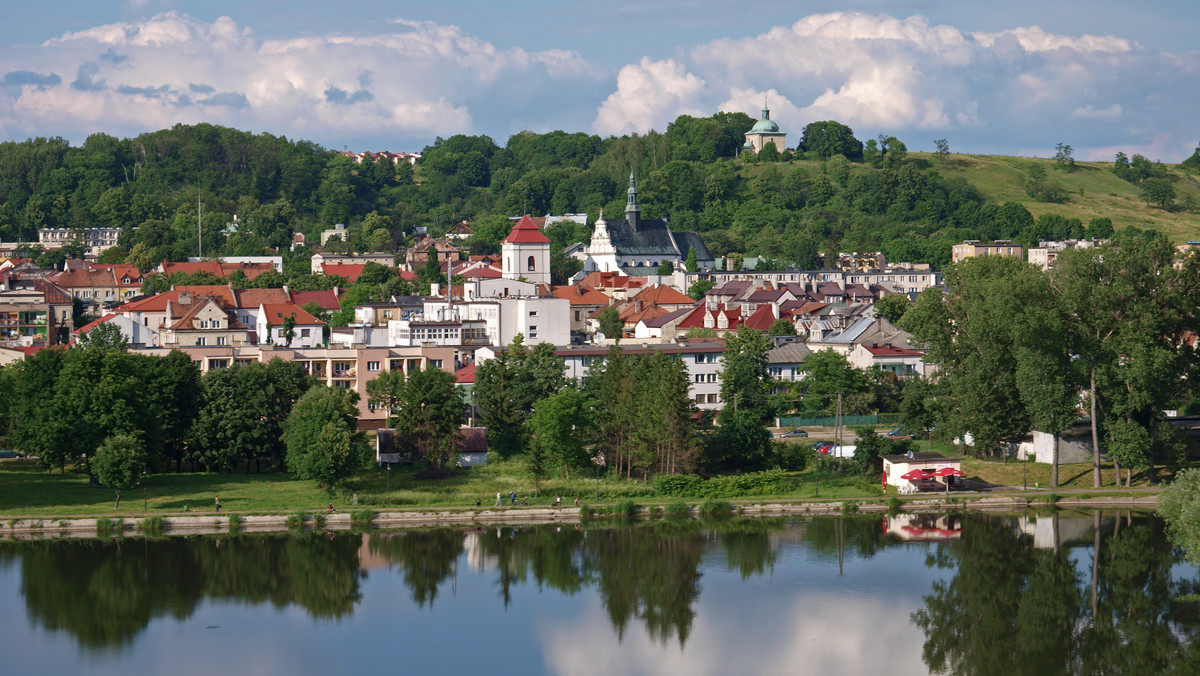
(531, 267)
(435, 363)
(699, 398)
(712, 377)
(577, 316)
(699, 377)
(201, 341)
(533, 331)
(712, 398)
(372, 366)
(218, 363)
(304, 332)
(533, 313)
(221, 340)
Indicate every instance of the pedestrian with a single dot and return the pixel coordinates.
(558, 502)
(218, 503)
(497, 498)
(330, 508)
(576, 502)
(512, 495)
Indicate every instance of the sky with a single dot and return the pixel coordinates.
(1014, 77)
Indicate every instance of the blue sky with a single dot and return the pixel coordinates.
(1012, 77)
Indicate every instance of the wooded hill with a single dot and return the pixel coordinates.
(832, 193)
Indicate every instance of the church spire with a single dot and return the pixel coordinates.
(632, 211)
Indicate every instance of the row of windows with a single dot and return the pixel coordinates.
(706, 378)
(706, 398)
(221, 341)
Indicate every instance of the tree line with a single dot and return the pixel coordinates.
(173, 189)
(1108, 333)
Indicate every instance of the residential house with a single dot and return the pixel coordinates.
(33, 312)
(902, 361)
(271, 326)
(972, 248)
(202, 321)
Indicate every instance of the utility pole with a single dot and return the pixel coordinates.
(199, 226)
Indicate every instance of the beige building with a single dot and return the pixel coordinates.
(973, 248)
(763, 132)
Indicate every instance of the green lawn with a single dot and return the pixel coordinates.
(28, 490)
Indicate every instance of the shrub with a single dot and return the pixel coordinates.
(849, 507)
(714, 506)
(362, 516)
(678, 510)
(894, 504)
(297, 520)
(318, 520)
(151, 524)
(677, 485)
(235, 524)
(626, 508)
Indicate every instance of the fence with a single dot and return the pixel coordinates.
(847, 420)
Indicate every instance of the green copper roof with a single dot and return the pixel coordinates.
(766, 125)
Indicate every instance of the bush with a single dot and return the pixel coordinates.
(677, 485)
(362, 516)
(626, 508)
(678, 510)
(770, 482)
(151, 524)
(297, 520)
(105, 526)
(894, 504)
(235, 524)
(713, 506)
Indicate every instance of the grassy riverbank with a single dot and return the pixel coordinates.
(28, 490)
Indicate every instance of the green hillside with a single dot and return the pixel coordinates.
(1094, 192)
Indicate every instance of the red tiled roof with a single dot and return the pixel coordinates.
(93, 324)
(326, 299)
(348, 272)
(525, 232)
(761, 319)
(663, 295)
(275, 313)
(581, 295)
(465, 375)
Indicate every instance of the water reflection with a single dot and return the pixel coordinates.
(962, 594)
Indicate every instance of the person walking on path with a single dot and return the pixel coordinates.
(218, 503)
(497, 498)
(512, 495)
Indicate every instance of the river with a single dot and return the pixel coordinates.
(963, 594)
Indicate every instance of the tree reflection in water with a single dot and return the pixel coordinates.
(1013, 609)
(1004, 606)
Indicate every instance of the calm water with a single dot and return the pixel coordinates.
(827, 595)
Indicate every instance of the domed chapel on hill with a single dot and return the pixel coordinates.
(763, 132)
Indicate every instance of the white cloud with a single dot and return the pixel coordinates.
(1001, 91)
(419, 80)
(649, 95)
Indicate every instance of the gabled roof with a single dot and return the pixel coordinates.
(761, 319)
(186, 321)
(93, 324)
(253, 298)
(581, 294)
(328, 300)
(83, 278)
(612, 280)
(275, 313)
(347, 271)
(788, 353)
(465, 375)
(526, 232)
(216, 268)
(663, 295)
(665, 319)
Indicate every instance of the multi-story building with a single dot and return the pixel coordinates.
(33, 312)
(96, 240)
(972, 248)
(704, 362)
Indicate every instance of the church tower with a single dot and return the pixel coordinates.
(526, 253)
(632, 210)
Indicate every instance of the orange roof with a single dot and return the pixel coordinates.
(217, 268)
(252, 298)
(762, 319)
(612, 280)
(465, 374)
(525, 232)
(185, 321)
(93, 324)
(84, 278)
(663, 295)
(581, 295)
(275, 313)
(347, 271)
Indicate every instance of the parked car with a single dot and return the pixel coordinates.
(791, 434)
(822, 447)
(898, 434)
